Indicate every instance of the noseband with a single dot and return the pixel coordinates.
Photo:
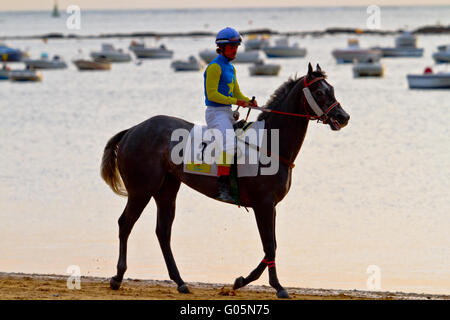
(308, 97)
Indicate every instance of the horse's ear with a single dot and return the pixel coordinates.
(310, 69)
(318, 68)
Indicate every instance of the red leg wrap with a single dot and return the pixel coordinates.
(270, 264)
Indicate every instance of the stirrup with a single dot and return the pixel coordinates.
(225, 196)
(239, 125)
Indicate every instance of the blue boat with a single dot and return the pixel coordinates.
(9, 54)
(4, 74)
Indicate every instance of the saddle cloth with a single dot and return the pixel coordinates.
(248, 140)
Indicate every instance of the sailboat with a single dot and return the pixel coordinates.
(55, 13)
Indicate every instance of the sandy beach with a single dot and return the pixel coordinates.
(367, 204)
(20, 286)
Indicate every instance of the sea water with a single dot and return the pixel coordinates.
(373, 196)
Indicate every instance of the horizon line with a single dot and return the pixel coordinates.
(227, 8)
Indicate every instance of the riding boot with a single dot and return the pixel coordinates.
(224, 189)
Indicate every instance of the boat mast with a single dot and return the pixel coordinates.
(55, 13)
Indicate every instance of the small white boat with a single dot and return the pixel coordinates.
(368, 69)
(401, 52)
(253, 42)
(443, 54)
(141, 51)
(260, 68)
(109, 52)
(405, 46)
(209, 55)
(45, 63)
(354, 52)
(429, 80)
(192, 64)
(98, 64)
(25, 75)
(406, 40)
(282, 49)
(249, 56)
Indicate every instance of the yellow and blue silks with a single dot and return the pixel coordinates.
(220, 82)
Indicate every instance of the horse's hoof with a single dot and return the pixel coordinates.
(238, 283)
(114, 284)
(283, 294)
(183, 289)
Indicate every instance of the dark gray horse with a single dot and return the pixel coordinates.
(137, 163)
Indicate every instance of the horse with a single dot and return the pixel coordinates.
(136, 163)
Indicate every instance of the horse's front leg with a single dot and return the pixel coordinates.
(265, 218)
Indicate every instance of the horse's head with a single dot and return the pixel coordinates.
(320, 100)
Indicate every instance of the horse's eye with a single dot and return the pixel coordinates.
(320, 93)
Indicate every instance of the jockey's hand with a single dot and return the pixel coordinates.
(253, 103)
(241, 103)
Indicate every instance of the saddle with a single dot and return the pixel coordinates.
(247, 144)
(249, 137)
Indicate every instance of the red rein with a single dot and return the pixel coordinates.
(307, 115)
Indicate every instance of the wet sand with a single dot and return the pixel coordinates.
(18, 286)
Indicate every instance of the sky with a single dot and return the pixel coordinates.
(12, 5)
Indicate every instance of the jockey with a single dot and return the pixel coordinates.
(221, 91)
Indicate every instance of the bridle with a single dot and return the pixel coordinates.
(321, 115)
(308, 97)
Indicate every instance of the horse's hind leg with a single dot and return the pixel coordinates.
(135, 206)
(165, 201)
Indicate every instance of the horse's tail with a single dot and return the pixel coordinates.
(109, 171)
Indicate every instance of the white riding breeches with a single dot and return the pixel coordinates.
(221, 118)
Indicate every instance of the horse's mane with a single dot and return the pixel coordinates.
(280, 94)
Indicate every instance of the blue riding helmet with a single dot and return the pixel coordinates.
(228, 35)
